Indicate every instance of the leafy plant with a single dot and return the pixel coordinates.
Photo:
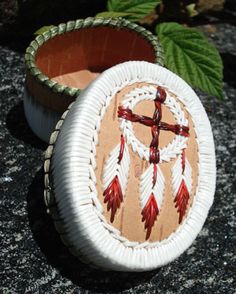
(187, 52)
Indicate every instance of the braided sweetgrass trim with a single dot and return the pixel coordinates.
(76, 25)
(49, 196)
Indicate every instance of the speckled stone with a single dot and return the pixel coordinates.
(32, 258)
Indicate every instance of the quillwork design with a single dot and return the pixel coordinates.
(115, 177)
(182, 184)
(152, 182)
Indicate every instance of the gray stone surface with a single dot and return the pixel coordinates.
(32, 258)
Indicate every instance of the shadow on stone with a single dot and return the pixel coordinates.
(18, 127)
(59, 256)
(229, 62)
(19, 19)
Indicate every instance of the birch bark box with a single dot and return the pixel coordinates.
(130, 169)
(64, 60)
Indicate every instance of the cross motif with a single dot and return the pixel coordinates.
(155, 123)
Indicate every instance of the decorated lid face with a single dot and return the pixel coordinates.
(133, 168)
(146, 162)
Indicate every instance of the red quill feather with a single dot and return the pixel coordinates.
(113, 197)
(149, 213)
(181, 200)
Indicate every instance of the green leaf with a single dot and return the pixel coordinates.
(112, 14)
(191, 9)
(43, 29)
(188, 53)
(137, 9)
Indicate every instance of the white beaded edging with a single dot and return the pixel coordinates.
(85, 228)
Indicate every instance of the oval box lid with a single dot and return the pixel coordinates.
(130, 169)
